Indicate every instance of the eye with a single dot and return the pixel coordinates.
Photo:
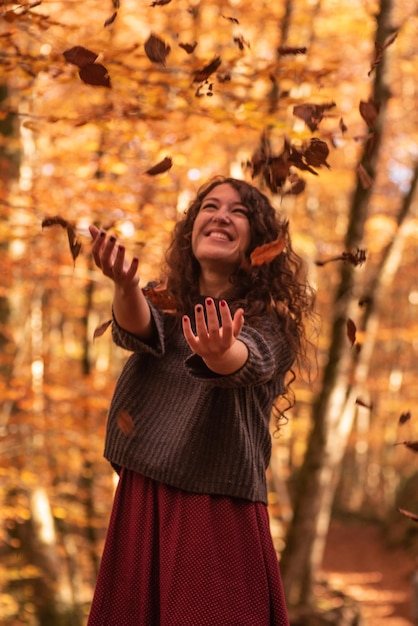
(208, 205)
(242, 211)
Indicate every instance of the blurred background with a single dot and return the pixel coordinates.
(114, 113)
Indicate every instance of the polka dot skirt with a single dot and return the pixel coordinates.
(173, 558)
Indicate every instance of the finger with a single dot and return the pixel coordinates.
(108, 253)
(212, 317)
(188, 332)
(226, 319)
(201, 328)
(94, 231)
(238, 322)
(119, 263)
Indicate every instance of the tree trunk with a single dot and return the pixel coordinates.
(332, 413)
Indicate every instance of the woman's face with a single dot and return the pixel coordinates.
(221, 231)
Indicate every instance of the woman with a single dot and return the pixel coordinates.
(188, 430)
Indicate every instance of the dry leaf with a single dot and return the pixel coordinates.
(351, 331)
(125, 423)
(411, 516)
(80, 56)
(204, 73)
(95, 74)
(189, 47)
(161, 297)
(366, 405)
(111, 19)
(267, 252)
(365, 180)
(156, 49)
(160, 167)
(287, 50)
(312, 114)
(100, 330)
(411, 445)
(404, 417)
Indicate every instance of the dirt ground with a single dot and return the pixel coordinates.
(358, 562)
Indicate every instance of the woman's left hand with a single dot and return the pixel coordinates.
(217, 343)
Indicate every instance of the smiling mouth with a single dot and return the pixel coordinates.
(218, 235)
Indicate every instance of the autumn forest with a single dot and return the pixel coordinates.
(114, 113)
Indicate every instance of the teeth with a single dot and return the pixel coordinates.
(219, 235)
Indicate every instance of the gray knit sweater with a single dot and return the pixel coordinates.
(194, 429)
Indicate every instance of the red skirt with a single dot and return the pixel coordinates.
(174, 558)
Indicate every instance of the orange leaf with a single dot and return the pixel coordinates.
(267, 252)
(125, 423)
(351, 331)
(411, 516)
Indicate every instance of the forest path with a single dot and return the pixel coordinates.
(380, 578)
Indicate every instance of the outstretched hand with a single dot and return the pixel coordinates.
(217, 343)
(110, 257)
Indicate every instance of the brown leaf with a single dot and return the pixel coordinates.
(156, 49)
(111, 19)
(355, 258)
(378, 52)
(404, 417)
(369, 111)
(411, 445)
(125, 423)
(267, 252)
(159, 3)
(100, 330)
(75, 246)
(161, 167)
(342, 126)
(231, 19)
(411, 516)
(366, 405)
(204, 73)
(365, 179)
(161, 297)
(80, 56)
(316, 153)
(287, 50)
(351, 331)
(189, 47)
(95, 74)
(312, 114)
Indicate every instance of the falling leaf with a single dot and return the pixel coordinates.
(75, 246)
(231, 19)
(161, 167)
(100, 330)
(125, 423)
(161, 297)
(355, 258)
(378, 52)
(241, 43)
(204, 73)
(267, 252)
(80, 56)
(351, 331)
(111, 19)
(316, 153)
(189, 47)
(287, 50)
(158, 3)
(366, 405)
(411, 445)
(342, 126)
(369, 111)
(95, 74)
(411, 516)
(365, 179)
(404, 417)
(312, 114)
(156, 49)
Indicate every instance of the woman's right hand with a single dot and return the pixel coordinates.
(110, 257)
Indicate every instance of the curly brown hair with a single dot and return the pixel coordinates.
(279, 287)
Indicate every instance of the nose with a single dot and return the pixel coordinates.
(221, 216)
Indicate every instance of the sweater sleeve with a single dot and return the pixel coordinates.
(269, 357)
(133, 343)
